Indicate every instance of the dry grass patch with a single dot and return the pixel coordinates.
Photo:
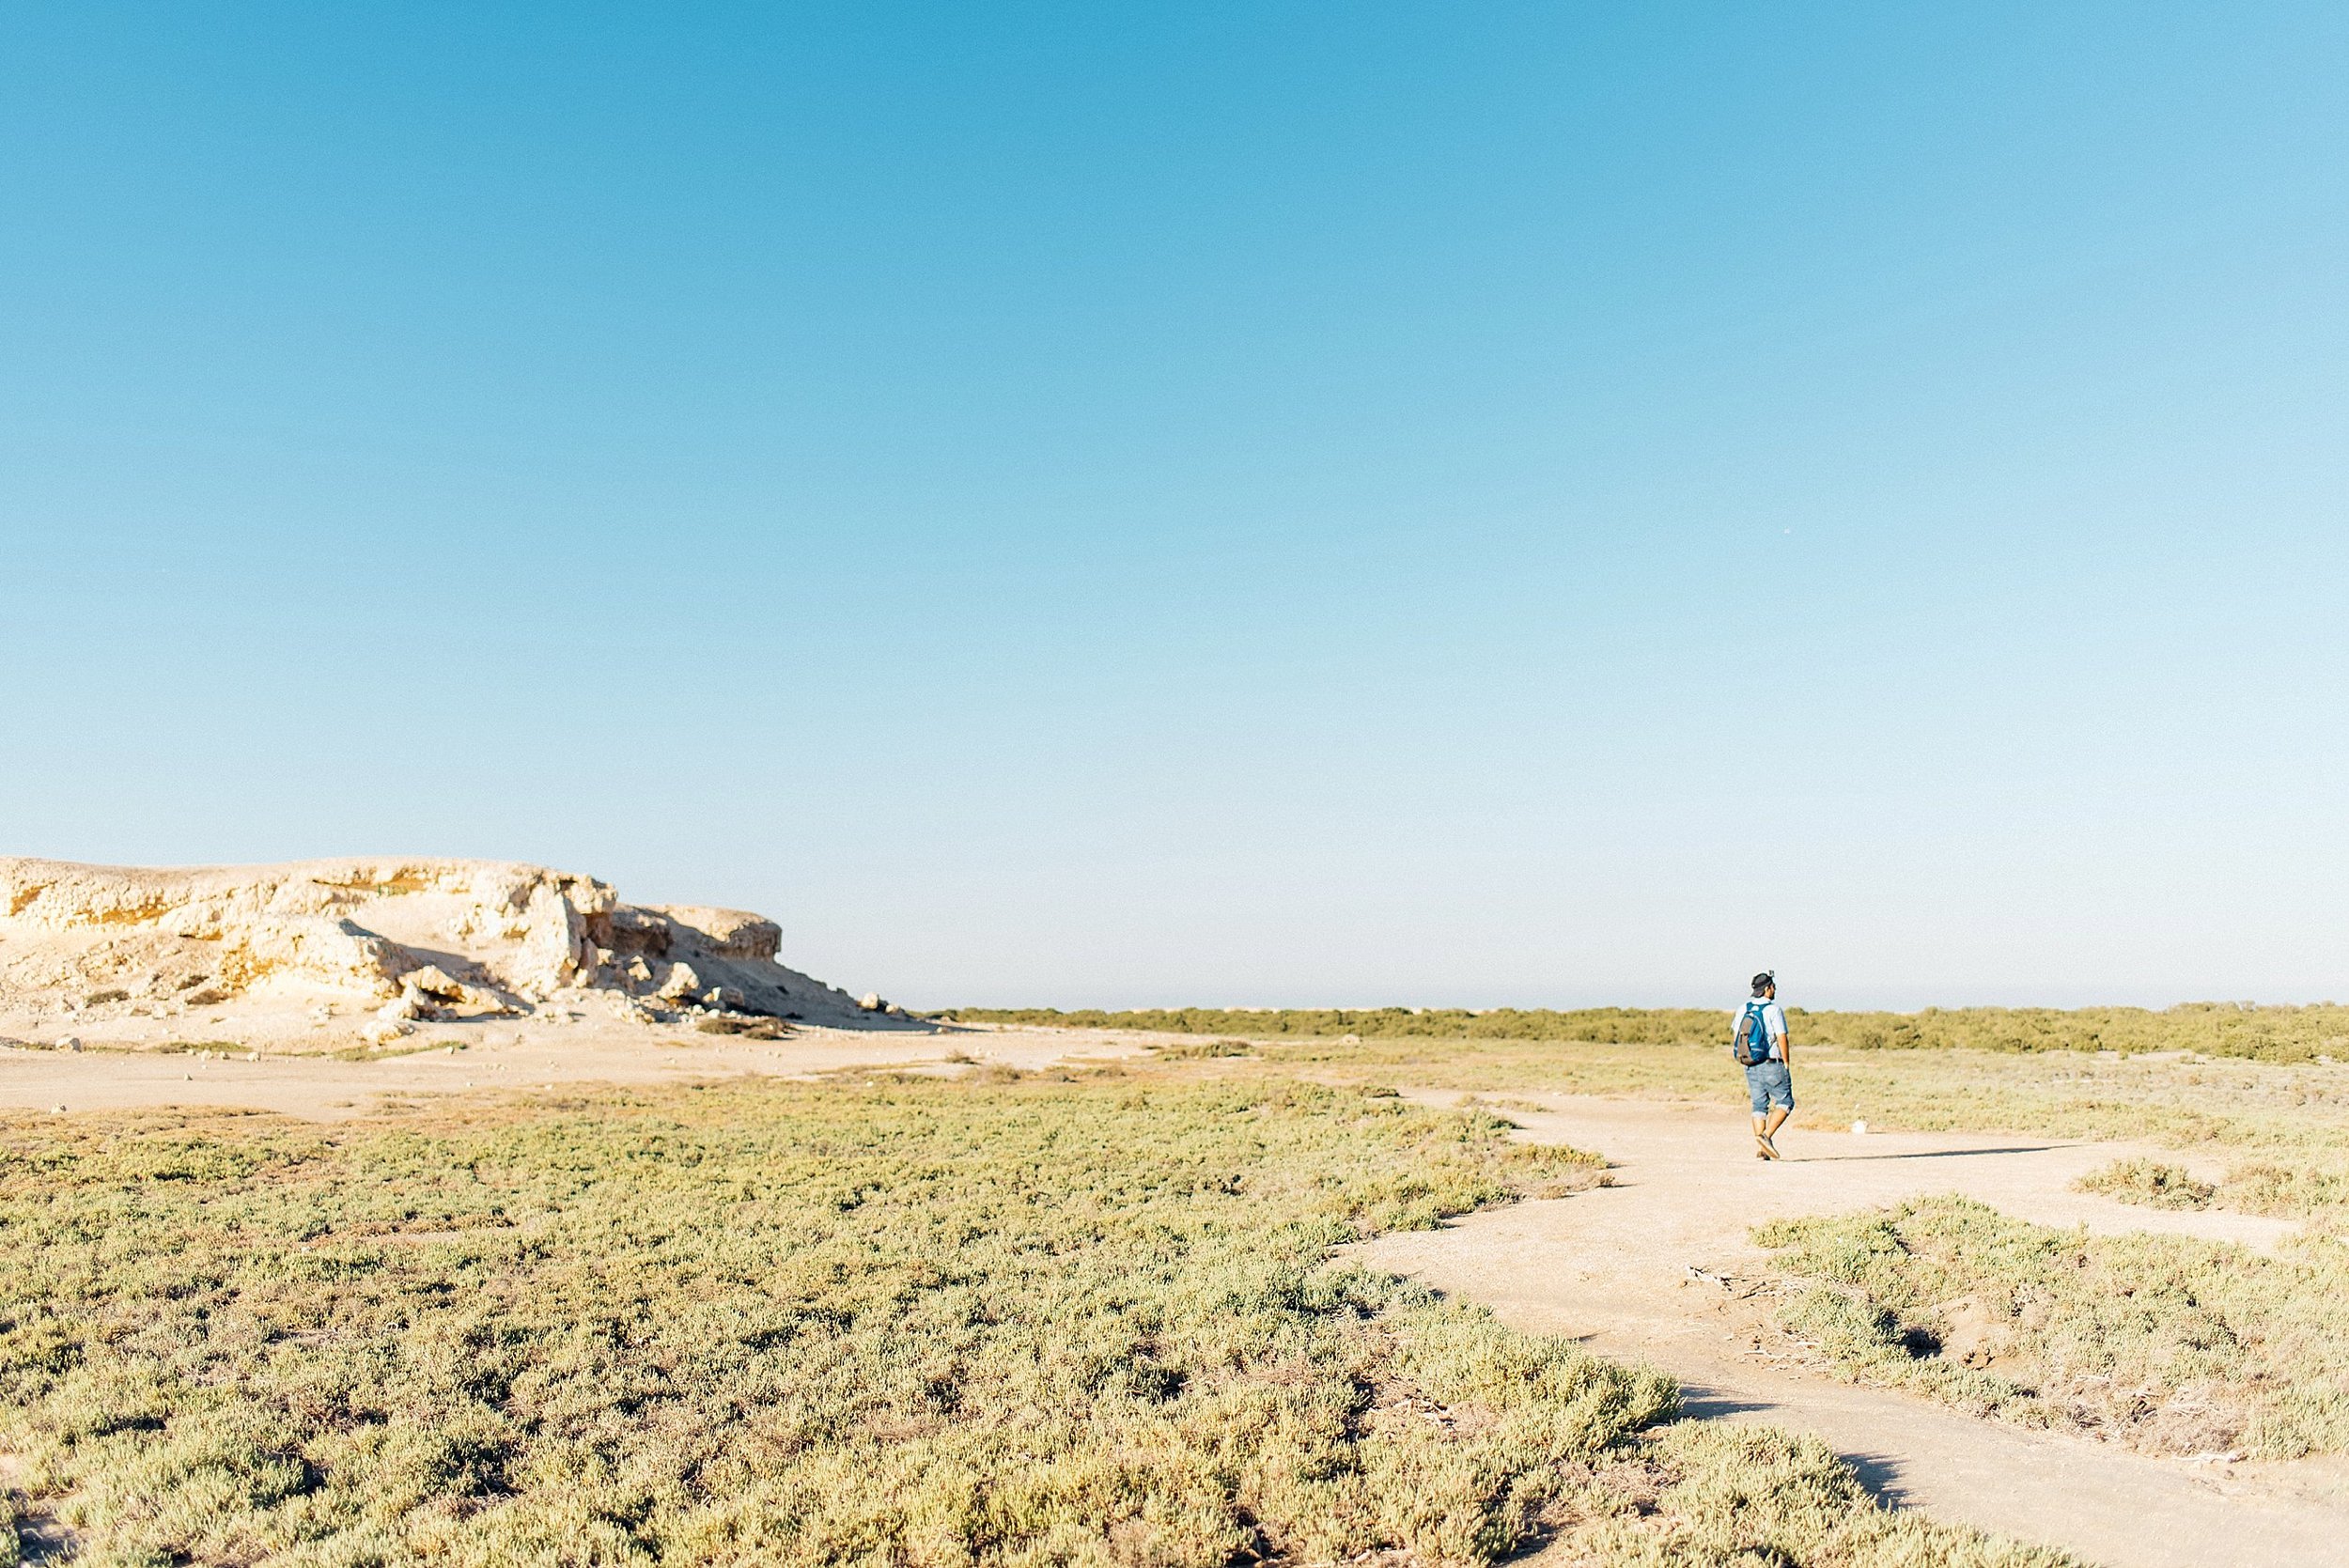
(896, 1322)
(2170, 1344)
(2151, 1183)
(1715, 1493)
(2229, 1029)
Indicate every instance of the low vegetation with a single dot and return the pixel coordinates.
(2207, 1028)
(2151, 1183)
(2277, 1135)
(2167, 1344)
(2282, 1129)
(750, 1028)
(1724, 1496)
(884, 1321)
(1629, 1026)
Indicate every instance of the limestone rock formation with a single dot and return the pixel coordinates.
(405, 939)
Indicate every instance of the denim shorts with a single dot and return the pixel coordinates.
(1768, 1083)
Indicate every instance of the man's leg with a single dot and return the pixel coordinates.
(1758, 1096)
(1782, 1105)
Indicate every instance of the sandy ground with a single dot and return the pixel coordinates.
(1613, 1267)
(500, 1059)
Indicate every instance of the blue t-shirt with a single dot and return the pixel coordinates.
(1773, 1019)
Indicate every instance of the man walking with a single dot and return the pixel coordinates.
(1761, 1046)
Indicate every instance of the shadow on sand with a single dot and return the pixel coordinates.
(1933, 1153)
(1879, 1473)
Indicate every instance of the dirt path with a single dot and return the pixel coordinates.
(1613, 1267)
(491, 1058)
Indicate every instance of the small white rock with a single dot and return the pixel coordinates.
(1860, 1129)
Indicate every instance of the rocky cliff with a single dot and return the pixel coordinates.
(401, 940)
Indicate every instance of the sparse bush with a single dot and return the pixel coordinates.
(2260, 1187)
(1627, 1025)
(2210, 1028)
(1721, 1493)
(1204, 1048)
(2168, 1344)
(2151, 1183)
(789, 1323)
(755, 1029)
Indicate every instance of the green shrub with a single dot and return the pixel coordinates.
(2151, 1183)
(1720, 1492)
(913, 1321)
(2169, 1343)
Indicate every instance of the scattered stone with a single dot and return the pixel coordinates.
(434, 981)
(684, 981)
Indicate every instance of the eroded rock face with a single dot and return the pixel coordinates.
(410, 938)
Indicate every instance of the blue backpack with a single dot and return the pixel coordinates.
(1751, 1045)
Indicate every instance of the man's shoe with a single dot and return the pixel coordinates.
(1764, 1147)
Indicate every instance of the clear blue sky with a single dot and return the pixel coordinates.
(1345, 503)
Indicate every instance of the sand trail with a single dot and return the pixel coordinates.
(1613, 1267)
(504, 1057)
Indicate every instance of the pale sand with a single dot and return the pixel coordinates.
(505, 1058)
